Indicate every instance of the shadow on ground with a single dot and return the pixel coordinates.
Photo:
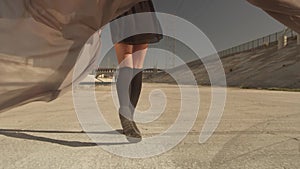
(23, 134)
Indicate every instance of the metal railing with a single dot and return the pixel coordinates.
(258, 43)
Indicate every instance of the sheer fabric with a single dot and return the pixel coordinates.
(285, 11)
(40, 41)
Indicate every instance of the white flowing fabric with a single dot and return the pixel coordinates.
(40, 41)
(285, 11)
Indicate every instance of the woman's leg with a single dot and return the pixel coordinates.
(124, 55)
(139, 54)
(132, 56)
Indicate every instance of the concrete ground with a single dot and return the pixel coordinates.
(259, 129)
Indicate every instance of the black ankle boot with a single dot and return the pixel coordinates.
(129, 127)
(126, 115)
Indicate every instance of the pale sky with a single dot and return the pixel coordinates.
(226, 23)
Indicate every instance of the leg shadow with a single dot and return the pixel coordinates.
(20, 134)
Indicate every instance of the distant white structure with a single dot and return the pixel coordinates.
(89, 78)
(283, 39)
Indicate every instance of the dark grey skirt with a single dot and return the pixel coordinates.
(132, 24)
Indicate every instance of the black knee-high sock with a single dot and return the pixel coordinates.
(124, 89)
(136, 87)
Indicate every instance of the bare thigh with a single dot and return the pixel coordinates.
(131, 55)
(124, 54)
(139, 54)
